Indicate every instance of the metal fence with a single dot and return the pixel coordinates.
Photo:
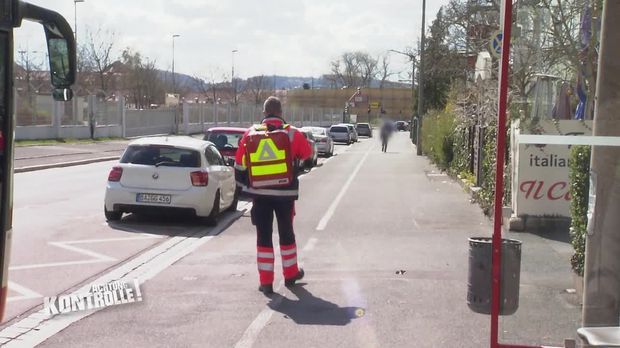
(39, 117)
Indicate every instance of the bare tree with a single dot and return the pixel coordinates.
(211, 84)
(384, 70)
(100, 48)
(29, 67)
(257, 86)
(574, 38)
(143, 82)
(354, 69)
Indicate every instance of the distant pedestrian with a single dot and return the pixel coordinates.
(387, 128)
(265, 168)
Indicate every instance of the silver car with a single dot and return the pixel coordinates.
(340, 133)
(352, 130)
(324, 143)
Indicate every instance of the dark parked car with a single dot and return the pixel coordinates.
(402, 125)
(364, 129)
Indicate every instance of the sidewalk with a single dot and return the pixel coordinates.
(36, 157)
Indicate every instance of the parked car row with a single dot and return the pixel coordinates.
(349, 133)
(187, 175)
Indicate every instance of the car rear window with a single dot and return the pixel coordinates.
(339, 129)
(155, 155)
(363, 126)
(223, 140)
(318, 131)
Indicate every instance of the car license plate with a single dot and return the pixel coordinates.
(153, 198)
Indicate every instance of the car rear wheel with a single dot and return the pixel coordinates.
(233, 205)
(215, 211)
(112, 215)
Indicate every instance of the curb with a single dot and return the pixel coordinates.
(65, 164)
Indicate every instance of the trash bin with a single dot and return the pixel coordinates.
(480, 275)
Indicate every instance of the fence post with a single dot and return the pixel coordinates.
(92, 112)
(123, 115)
(186, 107)
(56, 118)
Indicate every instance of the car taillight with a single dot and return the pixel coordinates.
(199, 178)
(115, 174)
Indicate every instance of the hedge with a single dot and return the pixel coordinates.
(579, 191)
(438, 136)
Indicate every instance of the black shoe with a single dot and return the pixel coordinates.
(266, 289)
(291, 282)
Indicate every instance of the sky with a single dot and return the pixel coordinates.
(283, 37)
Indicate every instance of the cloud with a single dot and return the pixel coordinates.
(297, 37)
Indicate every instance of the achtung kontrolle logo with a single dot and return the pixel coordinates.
(99, 296)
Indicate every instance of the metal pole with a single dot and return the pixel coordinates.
(499, 173)
(412, 95)
(421, 82)
(174, 84)
(232, 79)
(174, 90)
(601, 302)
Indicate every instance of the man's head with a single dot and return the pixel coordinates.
(273, 107)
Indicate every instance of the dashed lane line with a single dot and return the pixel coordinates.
(332, 208)
(262, 319)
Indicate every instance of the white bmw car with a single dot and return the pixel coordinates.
(173, 173)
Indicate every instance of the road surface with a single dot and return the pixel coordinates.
(382, 237)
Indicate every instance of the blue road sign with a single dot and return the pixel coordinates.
(496, 44)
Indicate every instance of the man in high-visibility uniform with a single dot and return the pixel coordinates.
(265, 167)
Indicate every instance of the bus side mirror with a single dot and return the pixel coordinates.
(61, 62)
(62, 94)
(60, 46)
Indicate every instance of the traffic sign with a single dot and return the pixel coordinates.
(495, 45)
(374, 105)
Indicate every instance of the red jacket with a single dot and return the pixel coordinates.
(300, 146)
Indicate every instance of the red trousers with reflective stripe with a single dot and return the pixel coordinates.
(263, 210)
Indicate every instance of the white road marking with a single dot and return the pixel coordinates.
(25, 293)
(40, 326)
(258, 324)
(69, 245)
(310, 244)
(415, 223)
(332, 208)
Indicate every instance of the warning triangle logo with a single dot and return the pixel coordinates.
(267, 153)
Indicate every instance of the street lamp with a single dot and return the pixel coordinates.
(232, 80)
(75, 17)
(174, 84)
